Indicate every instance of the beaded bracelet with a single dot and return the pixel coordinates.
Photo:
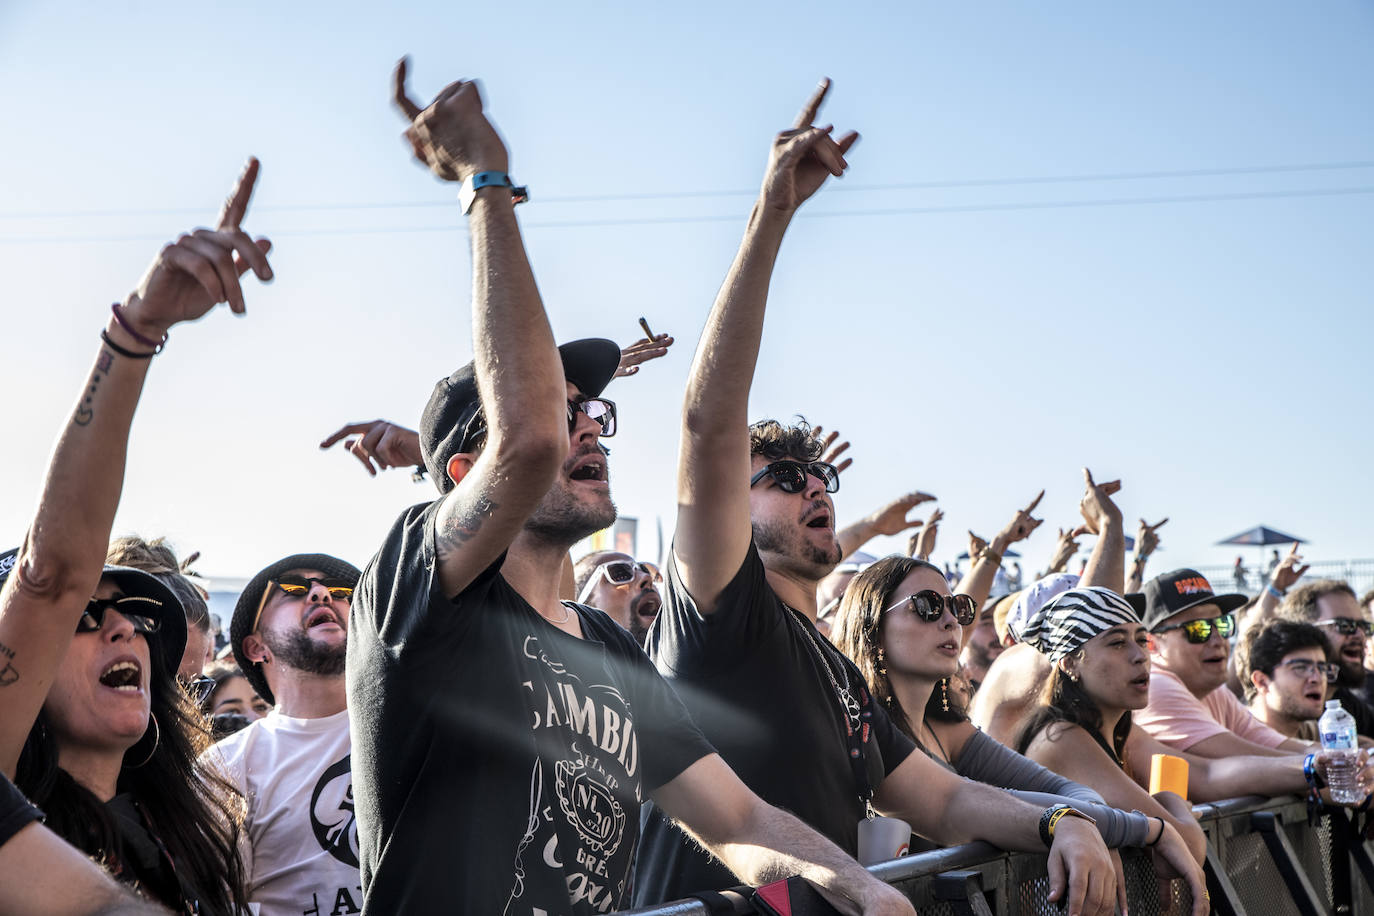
(122, 351)
(157, 345)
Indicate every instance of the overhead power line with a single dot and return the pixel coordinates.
(736, 217)
(841, 187)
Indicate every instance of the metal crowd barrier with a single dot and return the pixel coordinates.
(1262, 860)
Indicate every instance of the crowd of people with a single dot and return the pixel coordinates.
(471, 722)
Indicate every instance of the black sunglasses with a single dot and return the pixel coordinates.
(1199, 631)
(132, 608)
(790, 476)
(199, 688)
(1348, 626)
(599, 409)
(930, 606)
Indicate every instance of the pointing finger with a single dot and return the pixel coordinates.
(813, 104)
(398, 90)
(236, 204)
(847, 141)
(1088, 478)
(1034, 502)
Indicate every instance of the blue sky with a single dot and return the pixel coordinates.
(980, 337)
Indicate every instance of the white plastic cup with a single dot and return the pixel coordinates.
(883, 838)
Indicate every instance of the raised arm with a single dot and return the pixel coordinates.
(983, 566)
(518, 370)
(1107, 562)
(60, 562)
(892, 518)
(1146, 540)
(713, 528)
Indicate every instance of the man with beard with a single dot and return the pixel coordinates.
(1289, 673)
(290, 634)
(982, 645)
(755, 535)
(1330, 605)
(1190, 707)
(506, 738)
(623, 587)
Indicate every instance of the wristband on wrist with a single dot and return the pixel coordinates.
(467, 191)
(1155, 841)
(1051, 818)
(122, 351)
(1271, 589)
(987, 553)
(1309, 772)
(157, 345)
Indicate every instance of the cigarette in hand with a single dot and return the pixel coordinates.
(645, 325)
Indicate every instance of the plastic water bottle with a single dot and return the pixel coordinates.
(1340, 742)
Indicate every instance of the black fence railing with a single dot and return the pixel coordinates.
(1263, 859)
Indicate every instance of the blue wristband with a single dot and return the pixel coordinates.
(467, 191)
(1273, 591)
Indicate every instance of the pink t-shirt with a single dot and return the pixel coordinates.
(1177, 718)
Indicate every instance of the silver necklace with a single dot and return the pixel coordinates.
(847, 700)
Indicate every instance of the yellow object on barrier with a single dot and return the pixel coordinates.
(1168, 774)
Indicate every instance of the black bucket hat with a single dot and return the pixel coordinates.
(169, 642)
(449, 424)
(1175, 592)
(246, 608)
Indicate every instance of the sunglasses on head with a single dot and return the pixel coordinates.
(619, 573)
(930, 606)
(131, 607)
(1199, 631)
(1304, 668)
(298, 587)
(1347, 626)
(790, 476)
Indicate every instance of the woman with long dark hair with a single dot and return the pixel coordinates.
(93, 720)
(899, 623)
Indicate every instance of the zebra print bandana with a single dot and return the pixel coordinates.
(1063, 625)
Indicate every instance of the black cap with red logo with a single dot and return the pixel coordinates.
(1175, 592)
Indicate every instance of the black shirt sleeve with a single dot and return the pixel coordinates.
(15, 811)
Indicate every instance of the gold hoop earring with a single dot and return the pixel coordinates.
(157, 736)
(944, 695)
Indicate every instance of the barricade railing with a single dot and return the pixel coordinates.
(1263, 859)
(1359, 574)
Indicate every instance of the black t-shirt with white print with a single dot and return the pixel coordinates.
(498, 762)
(754, 681)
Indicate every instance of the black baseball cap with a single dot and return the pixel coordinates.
(170, 639)
(1175, 592)
(246, 608)
(451, 420)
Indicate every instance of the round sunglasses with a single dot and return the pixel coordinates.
(790, 476)
(930, 606)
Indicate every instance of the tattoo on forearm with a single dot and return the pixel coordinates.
(8, 674)
(84, 411)
(460, 529)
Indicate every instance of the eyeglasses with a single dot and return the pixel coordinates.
(1304, 668)
(790, 476)
(1199, 631)
(299, 586)
(619, 573)
(930, 606)
(199, 688)
(132, 608)
(1347, 626)
(599, 409)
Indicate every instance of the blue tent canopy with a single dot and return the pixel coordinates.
(1261, 536)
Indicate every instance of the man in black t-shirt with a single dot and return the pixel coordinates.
(755, 534)
(503, 739)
